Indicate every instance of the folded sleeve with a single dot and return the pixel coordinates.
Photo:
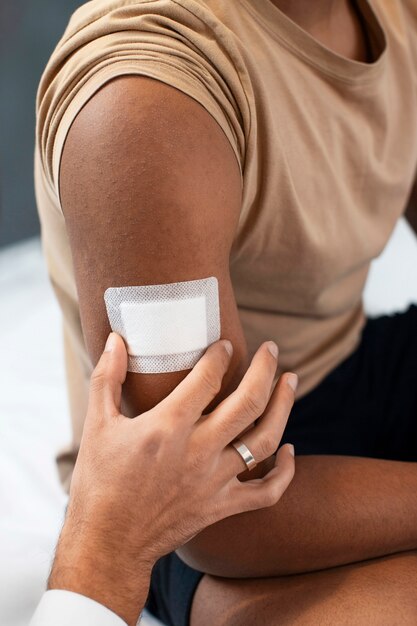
(180, 42)
(67, 608)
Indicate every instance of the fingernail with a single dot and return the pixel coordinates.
(110, 343)
(292, 381)
(291, 449)
(273, 348)
(228, 347)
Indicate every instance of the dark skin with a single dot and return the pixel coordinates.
(334, 23)
(174, 211)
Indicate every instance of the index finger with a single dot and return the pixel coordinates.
(248, 402)
(203, 383)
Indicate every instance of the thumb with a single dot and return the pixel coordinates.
(108, 377)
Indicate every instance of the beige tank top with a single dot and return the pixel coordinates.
(326, 146)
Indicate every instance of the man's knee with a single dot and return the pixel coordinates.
(379, 592)
(232, 602)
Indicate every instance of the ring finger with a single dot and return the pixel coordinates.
(264, 439)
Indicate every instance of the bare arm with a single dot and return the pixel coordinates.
(151, 194)
(337, 510)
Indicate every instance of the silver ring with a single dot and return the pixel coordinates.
(245, 453)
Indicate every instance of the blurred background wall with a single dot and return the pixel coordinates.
(29, 31)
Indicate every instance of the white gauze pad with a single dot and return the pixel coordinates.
(167, 328)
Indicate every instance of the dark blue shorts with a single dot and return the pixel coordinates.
(367, 406)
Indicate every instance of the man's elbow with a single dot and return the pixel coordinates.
(212, 552)
(208, 557)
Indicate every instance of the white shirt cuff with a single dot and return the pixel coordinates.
(67, 608)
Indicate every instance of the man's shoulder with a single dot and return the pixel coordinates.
(99, 11)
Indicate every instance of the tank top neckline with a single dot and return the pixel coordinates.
(304, 45)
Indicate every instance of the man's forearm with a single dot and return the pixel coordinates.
(337, 510)
(95, 569)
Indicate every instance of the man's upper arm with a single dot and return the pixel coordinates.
(151, 193)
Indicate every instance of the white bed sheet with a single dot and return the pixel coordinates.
(34, 417)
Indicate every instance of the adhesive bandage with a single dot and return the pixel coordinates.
(167, 328)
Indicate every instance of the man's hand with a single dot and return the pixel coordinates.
(142, 487)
